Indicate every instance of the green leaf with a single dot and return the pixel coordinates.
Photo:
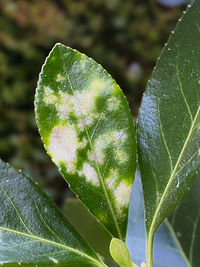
(86, 126)
(89, 228)
(32, 230)
(169, 124)
(184, 224)
(120, 253)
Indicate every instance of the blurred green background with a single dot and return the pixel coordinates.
(125, 36)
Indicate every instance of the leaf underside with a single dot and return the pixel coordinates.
(169, 122)
(32, 230)
(86, 126)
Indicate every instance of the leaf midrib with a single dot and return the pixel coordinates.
(44, 240)
(151, 231)
(98, 170)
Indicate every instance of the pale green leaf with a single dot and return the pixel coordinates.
(120, 253)
(86, 126)
(32, 230)
(169, 124)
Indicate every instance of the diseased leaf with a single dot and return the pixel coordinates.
(32, 230)
(169, 123)
(167, 251)
(86, 126)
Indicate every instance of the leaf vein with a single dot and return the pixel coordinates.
(163, 137)
(182, 93)
(173, 173)
(15, 208)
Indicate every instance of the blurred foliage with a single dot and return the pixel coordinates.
(125, 36)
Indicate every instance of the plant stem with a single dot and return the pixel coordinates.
(150, 249)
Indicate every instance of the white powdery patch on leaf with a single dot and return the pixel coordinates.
(120, 135)
(113, 103)
(103, 141)
(63, 144)
(60, 78)
(49, 96)
(112, 179)
(90, 174)
(121, 156)
(84, 102)
(122, 195)
(64, 105)
(97, 85)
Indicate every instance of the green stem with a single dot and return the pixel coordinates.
(150, 249)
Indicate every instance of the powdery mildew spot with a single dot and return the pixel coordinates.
(54, 260)
(122, 195)
(113, 103)
(84, 142)
(49, 96)
(90, 174)
(103, 141)
(91, 155)
(83, 102)
(63, 144)
(121, 156)
(120, 135)
(60, 78)
(98, 153)
(64, 105)
(97, 85)
(112, 179)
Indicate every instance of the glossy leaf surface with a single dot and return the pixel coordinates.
(32, 230)
(167, 248)
(86, 126)
(169, 123)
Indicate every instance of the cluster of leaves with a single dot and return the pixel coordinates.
(130, 33)
(87, 129)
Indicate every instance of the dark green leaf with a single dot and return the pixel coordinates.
(185, 224)
(169, 123)
(86, 126)
(89, 228)
(32, 230)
